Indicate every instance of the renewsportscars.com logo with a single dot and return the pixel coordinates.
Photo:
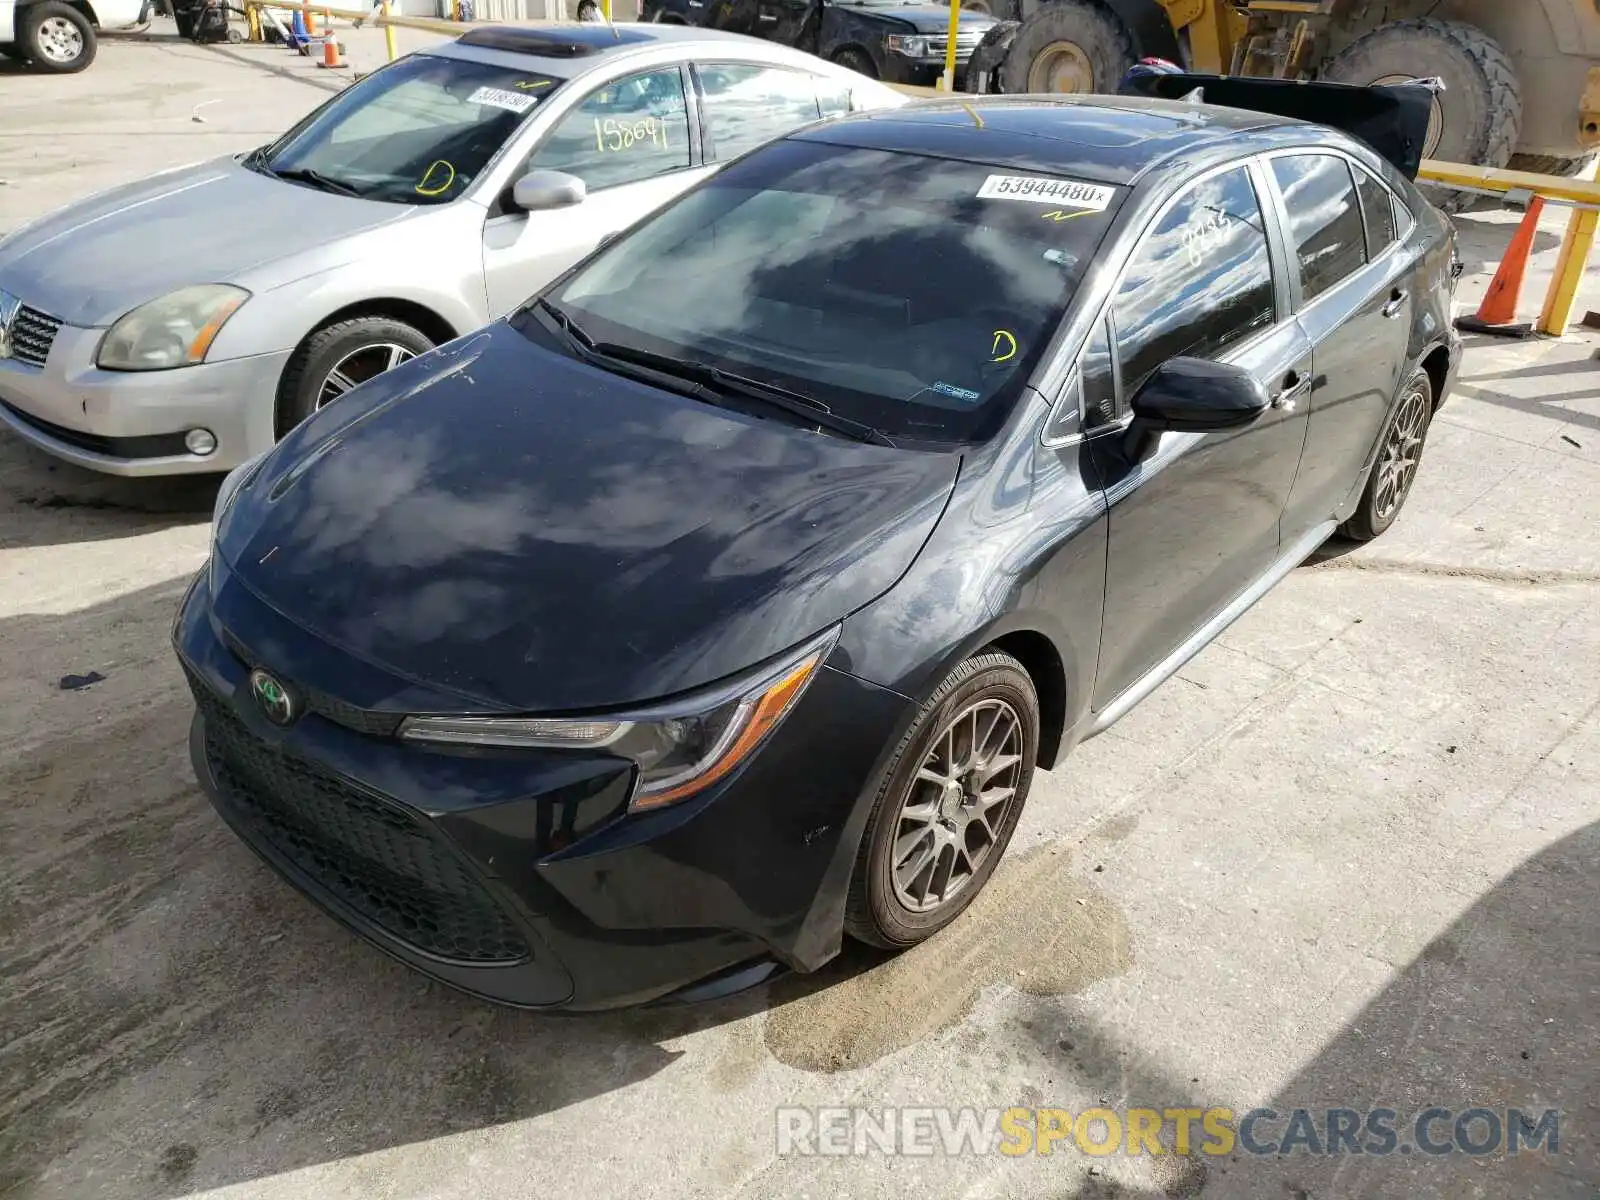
(1263, 1132)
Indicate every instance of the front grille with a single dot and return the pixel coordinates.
(966, 43)
(340, 712)
(32, 334)
(373, 855)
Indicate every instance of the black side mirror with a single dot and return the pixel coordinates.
(1194, 395)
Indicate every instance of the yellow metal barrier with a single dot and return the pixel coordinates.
(1583, 195)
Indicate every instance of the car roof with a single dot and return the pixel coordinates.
(569, 49)
(1106, 139)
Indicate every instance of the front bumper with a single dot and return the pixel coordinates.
(923, 72)
(519, 876)
(133, 422)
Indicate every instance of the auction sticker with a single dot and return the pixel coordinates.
(1065, 193)
(510, 101)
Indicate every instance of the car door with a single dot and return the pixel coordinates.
(743, 105)
(634, 143)
(1194, 517)
(1353, 288)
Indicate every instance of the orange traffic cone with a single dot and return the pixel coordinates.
(311, 18)
(1498, 312)
(332, 52)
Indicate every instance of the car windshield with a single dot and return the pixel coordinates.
(907, 293)
(417, 132)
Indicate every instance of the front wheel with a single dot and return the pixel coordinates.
(948, 806)
(1399, 454)
(338, 357)
(858, 61)
(57, 38)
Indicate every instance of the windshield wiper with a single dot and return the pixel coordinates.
(306, 175)
(710, 383)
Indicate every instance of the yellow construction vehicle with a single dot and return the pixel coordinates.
(1522, 77)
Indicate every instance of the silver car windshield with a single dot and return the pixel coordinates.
(417, 132)
(907, 293)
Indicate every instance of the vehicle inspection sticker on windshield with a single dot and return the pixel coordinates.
(510, 101)
(1063, 193)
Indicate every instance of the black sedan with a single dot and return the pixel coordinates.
(724, 599)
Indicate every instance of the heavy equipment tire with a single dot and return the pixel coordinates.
(980, 732)
(1000, 10)
(1479, 114)
(1068, 46)
(983, 68)
(1550, 164)
(56, 37)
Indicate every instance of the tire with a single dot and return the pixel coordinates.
(858, 61)
(983, 68)
(988, 683)
(1408, 423)
(588, 10)
(185, 21)
(359, 347)
(1068, 46)
(1480, 112)
(56, 38)
(1550, 164)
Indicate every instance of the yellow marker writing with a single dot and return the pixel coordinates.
(423, 189)
(1003, 337)
(1055, 214)
(532, 85)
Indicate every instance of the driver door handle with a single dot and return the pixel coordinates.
(1295, 385)
(1397, 300)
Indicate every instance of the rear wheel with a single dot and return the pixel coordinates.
(1478, 117)
(857, 60)
(948, 805)
(337, 357)
(1399, 455)
(56, 37)
(1068, 46)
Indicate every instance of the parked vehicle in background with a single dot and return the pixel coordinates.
(1522, 77)
(60, 35)
(900, 41)
(142, 333)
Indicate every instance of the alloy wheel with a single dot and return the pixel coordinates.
(956, 808)
(1402, 450)
(59, 40)
(360, 365)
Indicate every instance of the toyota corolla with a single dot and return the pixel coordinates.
(725, 598)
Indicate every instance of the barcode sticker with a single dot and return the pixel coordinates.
(1038, 189)
(510, 101)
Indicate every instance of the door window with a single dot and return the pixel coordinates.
(746, 105)
(1199, 282)
(1324, 218)
(629, 130)
(1378, 208)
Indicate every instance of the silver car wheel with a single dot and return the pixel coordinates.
(59, 40)
(360, 365)
(955, 811)
(1402, 450)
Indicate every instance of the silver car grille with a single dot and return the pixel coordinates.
(32, 333)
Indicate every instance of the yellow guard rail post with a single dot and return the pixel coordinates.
(1582, 195)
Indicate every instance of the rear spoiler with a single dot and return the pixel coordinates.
(1390, 118)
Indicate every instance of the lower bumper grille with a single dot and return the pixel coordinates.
(155, 445)
(373, 855)
(32, 335)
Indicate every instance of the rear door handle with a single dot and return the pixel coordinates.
(1295, 385)
(1397, 300)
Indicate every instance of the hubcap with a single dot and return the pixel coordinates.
(1430, 143)
(1402, 450)
(1061, 67)
(59, 39)
(359, 366)
(957, 805)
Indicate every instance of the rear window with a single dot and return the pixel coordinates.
(910, 293)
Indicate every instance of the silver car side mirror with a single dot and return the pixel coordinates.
(540, 190)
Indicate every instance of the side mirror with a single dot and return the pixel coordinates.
(540, 190)
(1193, 395)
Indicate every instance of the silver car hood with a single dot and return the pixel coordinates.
(92, 261)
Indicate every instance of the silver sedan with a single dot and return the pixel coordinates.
(185, 322)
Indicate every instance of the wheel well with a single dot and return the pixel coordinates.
(1038, 657)
(1437, 364)
(418, 315)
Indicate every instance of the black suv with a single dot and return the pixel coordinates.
(899, 41)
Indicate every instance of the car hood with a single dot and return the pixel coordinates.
(928, 18)
(535, 534)
(92, 261)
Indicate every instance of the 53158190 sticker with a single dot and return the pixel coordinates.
(1039, 189)
(517, 102)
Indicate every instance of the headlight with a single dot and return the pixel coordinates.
(679, 749)
(911, 47)
(173, 331)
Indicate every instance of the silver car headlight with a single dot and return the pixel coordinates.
(174, 330)
(679, 749)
